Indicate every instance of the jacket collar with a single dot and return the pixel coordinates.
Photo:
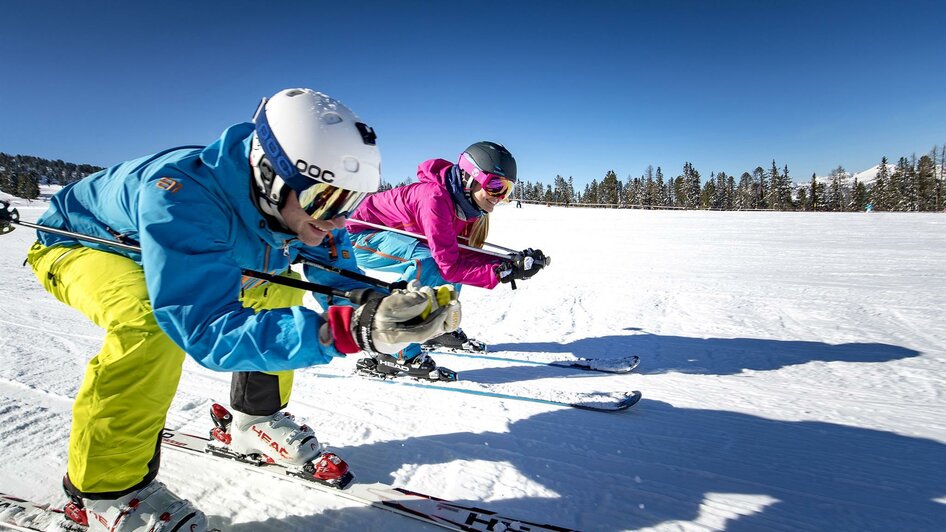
(466, 208)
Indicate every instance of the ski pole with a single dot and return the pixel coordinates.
(354, 275)
(505, 256)
(490, 244)
(10, 217)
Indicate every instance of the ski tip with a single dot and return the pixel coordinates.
(630, 399)
(635, 396)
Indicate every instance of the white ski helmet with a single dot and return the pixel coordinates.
(311, 143)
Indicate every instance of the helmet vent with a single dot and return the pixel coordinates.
(367, 134)
(331, 118)
(350, 164)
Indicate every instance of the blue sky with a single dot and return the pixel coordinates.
(571, 88)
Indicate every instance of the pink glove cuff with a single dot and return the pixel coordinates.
(339, 323)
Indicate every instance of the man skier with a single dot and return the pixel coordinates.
(259, 197)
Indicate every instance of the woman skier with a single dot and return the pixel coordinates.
(450, 202)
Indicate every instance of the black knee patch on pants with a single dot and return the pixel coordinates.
(255, 393)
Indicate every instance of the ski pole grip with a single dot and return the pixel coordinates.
(8, 217)
(360, 296)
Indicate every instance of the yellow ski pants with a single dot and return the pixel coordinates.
(122, 403)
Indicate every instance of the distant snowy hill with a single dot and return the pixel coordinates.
(867, 176)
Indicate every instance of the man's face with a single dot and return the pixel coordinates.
(310, 232)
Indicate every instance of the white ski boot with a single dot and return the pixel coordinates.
(276, 439)
(152, 508)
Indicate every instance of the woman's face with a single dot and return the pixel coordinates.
(483, 200)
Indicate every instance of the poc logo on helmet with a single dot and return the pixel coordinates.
(314, 171)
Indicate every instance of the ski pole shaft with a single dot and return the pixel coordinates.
(506, 256)
(10, 217)
(497, 246)
(424, 238)
(354, 275)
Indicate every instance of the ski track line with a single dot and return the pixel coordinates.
(52, 332)
(35, 395)
(914, 329)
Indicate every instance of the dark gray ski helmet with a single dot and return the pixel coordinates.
(488, 158)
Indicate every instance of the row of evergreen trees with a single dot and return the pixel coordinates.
(21, 175)
(913, 184)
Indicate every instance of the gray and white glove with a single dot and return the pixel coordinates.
(387, 325)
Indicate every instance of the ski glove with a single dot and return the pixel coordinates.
(523, 265)
(387, 325)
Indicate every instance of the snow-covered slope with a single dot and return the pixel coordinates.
(794, 378)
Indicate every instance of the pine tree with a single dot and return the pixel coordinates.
(708, 193)
(744, 192)
(679, 191)
(859, 196)
(773, 195)
(814, 192)
(802, 198)
(940, 187)
(719, 196)
(608, 190)
(691, 183)
(647, 197)
(880, 190)
(835, 200)
(925, 179)
(899, 186)
(660, 190)
(759, 187)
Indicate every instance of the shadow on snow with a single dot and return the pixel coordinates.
(712, 356)
(659, 463)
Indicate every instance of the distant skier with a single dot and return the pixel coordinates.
(450, 201)
(260, 196)
(869, 208)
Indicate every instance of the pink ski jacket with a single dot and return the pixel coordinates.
(428, 208)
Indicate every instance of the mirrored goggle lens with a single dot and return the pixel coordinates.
(499, 186)
(324, 201)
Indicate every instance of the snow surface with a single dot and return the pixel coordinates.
(793, 370)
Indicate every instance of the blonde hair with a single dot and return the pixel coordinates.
(476, 233)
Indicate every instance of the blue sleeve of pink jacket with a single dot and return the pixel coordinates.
(435, 214)
(194, 283)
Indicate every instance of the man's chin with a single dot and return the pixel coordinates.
(312, 238)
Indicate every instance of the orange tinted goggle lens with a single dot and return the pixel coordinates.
(323, 201)
(499, 186)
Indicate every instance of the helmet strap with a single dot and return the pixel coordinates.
(269, 190)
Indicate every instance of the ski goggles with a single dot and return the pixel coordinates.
(498, 186)
(495, 185)
(323, 201)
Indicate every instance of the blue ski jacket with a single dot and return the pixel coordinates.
(191, 210)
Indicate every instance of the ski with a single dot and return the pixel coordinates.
(426, 508)
(21, 514)
(603, 365)
(596, 402)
